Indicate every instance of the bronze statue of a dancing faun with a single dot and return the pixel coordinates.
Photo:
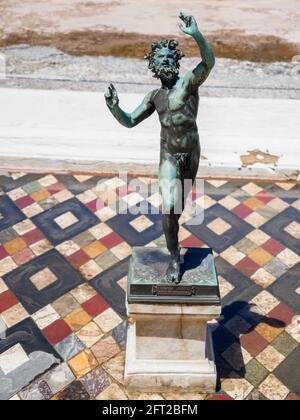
(176, 102)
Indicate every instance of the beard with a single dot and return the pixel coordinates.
(165, 72)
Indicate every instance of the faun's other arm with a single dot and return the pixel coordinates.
(129, 120)
(199, 74)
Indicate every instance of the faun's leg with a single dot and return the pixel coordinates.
(170, 193)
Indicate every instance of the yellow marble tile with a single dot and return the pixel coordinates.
(83, 363)
(78, 319)
(14, 246)
(253, 203)
(94, 249)
(260, 256)
(40, 195)
(268, 332)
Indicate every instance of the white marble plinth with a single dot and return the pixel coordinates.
(170, 347)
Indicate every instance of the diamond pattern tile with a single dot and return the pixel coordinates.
(64, 253)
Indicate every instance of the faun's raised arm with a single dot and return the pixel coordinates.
(199, 74)
(129, 120)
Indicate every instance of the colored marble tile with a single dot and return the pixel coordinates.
(68, 248)
(273, 389)
(112, 392)
(105, 349)
(34, 299)
(269, 332)
(23, 257)
(74, 392)
(265, 301)
(45, 317)
(59, 378)
(255, 373)
(69, 347)
(41, 247)
(115, 368)
(119, 333)
(232, 255)
(66, 220)
(90, 334)
(83, 293)
(247, 266)
(7, 235)
(7, 265)
(96, 381)
(285, 344)
(14, 315)
(65, 305)
(57, 331)
(270, 358)
(288, 372)
(43, 279)
(238, 389)
(237, 357)
(7, 300)
(37, 391)
(260, 256)
(100, 231)
(254, 343)
(282, 313)
(11, 214)
(94, 249)
(83, 363)
(90, 270)
(15, 245)
(95, 306)
(263, 278)
(12, 358)
(78, 319)
(108, 320)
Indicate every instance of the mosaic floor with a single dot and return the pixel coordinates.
(63, 262)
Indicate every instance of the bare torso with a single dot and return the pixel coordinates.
(177, 109)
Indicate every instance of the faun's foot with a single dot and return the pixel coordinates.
(173, 272)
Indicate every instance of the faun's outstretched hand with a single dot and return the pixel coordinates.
(190, 27)
(111, 96)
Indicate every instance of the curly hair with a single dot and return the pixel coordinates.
(158, 45)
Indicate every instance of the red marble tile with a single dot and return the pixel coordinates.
(111, 240)
(78, 258)
(242, 211)
(95, 306)
(247, 266)
(24, 202)
(254, 343)
(273, 247)
(95, 205)
(293, 397)
(265, 197)
(23, 257)
(57, 331)
(192, 242)
(56, 188)
(7, 300)
(220, 397)
(33, 236)
(3, 253)
(282, 313)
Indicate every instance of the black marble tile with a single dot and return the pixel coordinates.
(33, 299)
(106, 284)
(288, 372)
(239, 229)
(46, 221)
(10, 214)
(121, 225)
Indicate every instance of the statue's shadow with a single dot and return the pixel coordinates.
(193, 259)
(227, 342)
